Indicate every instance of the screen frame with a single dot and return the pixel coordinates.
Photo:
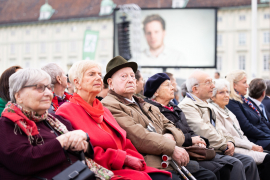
(215, 37)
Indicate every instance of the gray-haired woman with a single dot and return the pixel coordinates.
(231, 127)
(59, 84)
(28, 145)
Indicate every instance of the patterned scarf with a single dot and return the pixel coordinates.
(224, 111)
(167, 107)
(245, 100)
(26, 121)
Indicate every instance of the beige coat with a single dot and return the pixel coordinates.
(198, 118)
(131, 118)
(243, 145)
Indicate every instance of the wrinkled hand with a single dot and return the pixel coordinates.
(180, 156)
(135, 163)
(257, 148)
(201, 145)
(74, 140)
(170, 136)
(198, 140)
(230, 150)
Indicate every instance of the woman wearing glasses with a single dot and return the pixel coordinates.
(231, 127)
(29, 147)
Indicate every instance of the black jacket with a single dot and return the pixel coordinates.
(178, 118)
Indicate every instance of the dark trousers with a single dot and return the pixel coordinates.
(264, 168)
(201, 174)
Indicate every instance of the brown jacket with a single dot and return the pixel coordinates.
(134, 120)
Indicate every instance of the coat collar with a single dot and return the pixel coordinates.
(197, 101)
(123, 99)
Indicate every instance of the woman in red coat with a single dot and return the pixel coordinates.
(112, 149)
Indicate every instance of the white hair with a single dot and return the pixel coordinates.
(25, 77)
(191, 81)
(53, 70)
(78, 69)
(219, 85)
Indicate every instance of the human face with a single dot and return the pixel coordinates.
(139, 85)
(154, 34)
(63, 80)
(241, 86)
(165, 91)
(91, 81)
(222, 97)
(30, 98)
(123, 82)
(174, 84)
(204, 89)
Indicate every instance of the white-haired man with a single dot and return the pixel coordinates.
(202, 121)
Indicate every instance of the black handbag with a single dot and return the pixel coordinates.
(76, 171)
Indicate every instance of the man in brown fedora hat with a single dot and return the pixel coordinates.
(150, 132)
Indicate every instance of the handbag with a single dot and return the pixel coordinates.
(200, 153)
(76, 171)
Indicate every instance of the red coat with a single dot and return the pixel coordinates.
(105, 148)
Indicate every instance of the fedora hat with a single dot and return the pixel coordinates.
(116, 64)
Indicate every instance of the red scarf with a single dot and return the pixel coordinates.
(55, 100)
(96, 111)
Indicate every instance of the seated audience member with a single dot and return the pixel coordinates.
(4, 86)
(174, 84)
(202, 120)
(217, 75)
(159, 91)
(70, 87)
(150, 132)
(139, 84)
(249, 116)
(59, 84)
(103, 93)
(231, 127)
(183, 89)
(266, 100)
(112, 149)
(28, 147)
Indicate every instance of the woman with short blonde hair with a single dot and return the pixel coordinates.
(249, 117)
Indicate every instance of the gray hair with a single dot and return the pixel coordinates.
(184, 89)
(191, 81)
(53, 70)
(267, 82)
(219, 85)
(25, 77)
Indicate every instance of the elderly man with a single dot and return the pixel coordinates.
(266, 100)
(59, 83)
(149, 131)
(202, 120)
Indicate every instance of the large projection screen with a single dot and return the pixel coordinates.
(173, 38)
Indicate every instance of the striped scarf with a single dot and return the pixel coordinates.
(245, 100)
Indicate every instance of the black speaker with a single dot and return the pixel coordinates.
(123, 39)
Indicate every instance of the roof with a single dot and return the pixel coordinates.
(18, 11)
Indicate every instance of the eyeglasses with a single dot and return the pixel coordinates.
(40, 87)
(167, 84)
(207, 83)
(224, 92)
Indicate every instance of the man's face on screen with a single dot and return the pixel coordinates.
(154, 34)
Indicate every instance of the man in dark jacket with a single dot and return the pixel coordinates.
(266, 100)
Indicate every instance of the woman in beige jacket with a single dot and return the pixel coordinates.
(232, 128)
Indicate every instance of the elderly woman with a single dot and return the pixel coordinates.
(4, 86)
(112, 149)
(29, 148)
(159, 92)
(151, 133)
(221, 96)
(250, 118)
(59, 84)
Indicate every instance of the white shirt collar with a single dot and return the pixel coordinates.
(131, 101)
(258, 103)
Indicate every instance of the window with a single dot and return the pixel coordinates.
(219, 63)
(43, 31)
(266, 37)
(27, 32)
(73, 28)
(242, 62)
(12, 49)
(27, 48)
(73, 46)
(12, 33)
(242, 38)
(266, 58)
(219, 40)
(58, 30)
(242, 18)
(57, 47)
(266, 16)
(27, 63)
(42, 47)
(219, 19)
